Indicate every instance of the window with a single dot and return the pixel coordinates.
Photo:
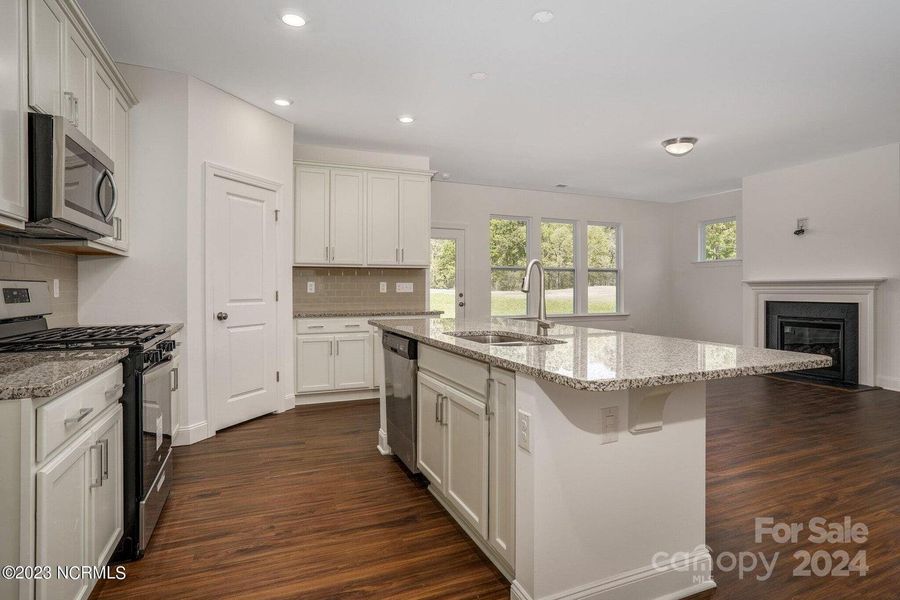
(558, 258)
(718, 239)
(442, 292)
(603, 268)
(509, 256)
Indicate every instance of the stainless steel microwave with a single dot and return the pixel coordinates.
(71, 184)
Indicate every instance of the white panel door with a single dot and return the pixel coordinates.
(415, 220)
(102, 102)
(12, 122)
(46, 43)
(106, 499)
(62, 524)
(76, 94)
(353, 362)
(430, 431)
(502, 477)
(347, 214)
(315, 363)
(384, 219)
(312, 244)
(240, 263)
(466, 486)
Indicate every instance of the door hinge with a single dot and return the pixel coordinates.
(276, 295)
(277, 213)
(277, 375)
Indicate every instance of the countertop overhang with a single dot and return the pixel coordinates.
(603, 360)
(48, 373)
(323, 314)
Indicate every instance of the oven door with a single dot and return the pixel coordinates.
(157, 419)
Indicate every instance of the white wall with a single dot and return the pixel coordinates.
(705, 297)
(645, 242)
(179, 124)
(360, 158)
(853, 206)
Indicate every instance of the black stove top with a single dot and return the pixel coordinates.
(103, 336)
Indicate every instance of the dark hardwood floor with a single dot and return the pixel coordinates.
(301, 505)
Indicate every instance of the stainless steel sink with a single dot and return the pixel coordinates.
(502, 338)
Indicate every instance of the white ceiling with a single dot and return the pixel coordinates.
(584, 100)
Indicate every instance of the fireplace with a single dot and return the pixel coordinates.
(827, 328)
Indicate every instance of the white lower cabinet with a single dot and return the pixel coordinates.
(315, 363)
(502, 472)
(333, 355)
(106, 491)
(466, 486)
(430, 437)
(352, 361)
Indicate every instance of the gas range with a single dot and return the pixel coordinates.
(79, 338)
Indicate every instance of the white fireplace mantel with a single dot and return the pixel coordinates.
(855, 291)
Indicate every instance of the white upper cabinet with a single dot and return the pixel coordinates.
(46, 50)
(102, 103)
(347, 214)
(415, 220)
(76, 92)
(351, 217)
(13, 206)
(384, 219)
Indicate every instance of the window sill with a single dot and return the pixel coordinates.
(723, 263)
(611, 316)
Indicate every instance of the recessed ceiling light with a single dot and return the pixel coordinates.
(445, 175)
(480, 76)
(283, 101)
(679, 146)
(542, 16)
(293, 20)
(406, 119)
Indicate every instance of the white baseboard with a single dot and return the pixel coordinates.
(888, 383)
(382, 443)
(191, 434)
(287, 403)
(325, 397)
(517, 592)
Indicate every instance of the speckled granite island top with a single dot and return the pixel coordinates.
(321, 314)
(601, 360)
(45, 374)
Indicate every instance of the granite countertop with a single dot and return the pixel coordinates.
(46, 374)
(602, 360)
(307, 314)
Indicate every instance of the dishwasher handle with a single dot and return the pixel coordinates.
(400, 345)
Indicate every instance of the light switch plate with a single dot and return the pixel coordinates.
(382, 287)
(404, 288)
(609, 425)
(310, 287)
(523, 430)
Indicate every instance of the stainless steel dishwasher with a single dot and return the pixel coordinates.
(400, 357)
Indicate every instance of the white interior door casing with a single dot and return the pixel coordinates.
(241, 276)
(311, 218)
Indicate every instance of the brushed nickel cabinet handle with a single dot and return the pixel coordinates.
(98, 482)
(437, 401)
(114, 390)
(84, 412)
(104, 459)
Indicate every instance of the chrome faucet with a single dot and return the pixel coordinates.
(542, 322)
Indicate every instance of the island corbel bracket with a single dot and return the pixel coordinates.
(645, 408)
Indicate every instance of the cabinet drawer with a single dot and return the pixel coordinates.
(469, 374)
(349, 325)
(60, 419)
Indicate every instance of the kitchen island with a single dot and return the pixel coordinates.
(596, 439)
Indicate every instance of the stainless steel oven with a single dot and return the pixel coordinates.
(71, 183)
(156, 404)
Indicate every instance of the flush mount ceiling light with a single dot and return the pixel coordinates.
(406, 119)
(679, 146)
(479, 75)
(283, 101)
(542, 16)
(293, 20)
(562, 185)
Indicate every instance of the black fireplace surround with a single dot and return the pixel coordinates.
(829, 328)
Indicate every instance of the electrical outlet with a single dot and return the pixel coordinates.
(609, 425)
(310, 287)
(56, 288)
(523, 431)
(404, 288)
(382, 287)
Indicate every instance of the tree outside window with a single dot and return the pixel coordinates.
(718, 239)
(509, 255)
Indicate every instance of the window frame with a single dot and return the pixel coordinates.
(576, 239)
(701, 240)
(617, 270)
(529, 242)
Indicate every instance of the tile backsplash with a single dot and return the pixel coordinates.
(21, 262)
(357, 289)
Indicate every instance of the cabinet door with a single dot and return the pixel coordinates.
(311, 223)
(466, 486)
(63, 519)
(102, 101)
(352, 361)
(347, 212)
(107, 500)
(46, 34)
(120, 136)
(384, 219)
(502, 477)
(415, 220)
(76, 94)
(315, 363)
(430, 430)
(175, 374)
(13, 207)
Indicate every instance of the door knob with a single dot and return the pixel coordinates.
(222, 316)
